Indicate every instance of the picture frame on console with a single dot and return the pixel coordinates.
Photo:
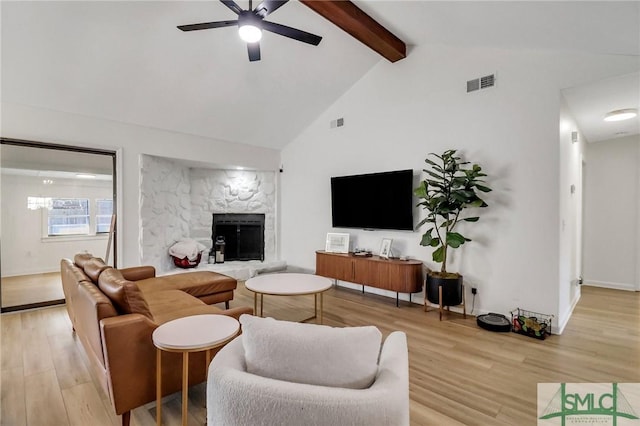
(337, 243)
(385, 248)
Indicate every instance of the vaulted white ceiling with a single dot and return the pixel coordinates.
(126, 60)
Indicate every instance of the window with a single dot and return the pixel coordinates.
(35, 203)
(104, 210)
(68, 216)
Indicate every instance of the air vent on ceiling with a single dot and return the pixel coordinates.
(481, 83)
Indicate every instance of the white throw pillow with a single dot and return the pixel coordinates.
(309, 353)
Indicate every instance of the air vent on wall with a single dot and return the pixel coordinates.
(336, 123)
(481, 83)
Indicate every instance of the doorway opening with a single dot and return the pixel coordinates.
(57, 201)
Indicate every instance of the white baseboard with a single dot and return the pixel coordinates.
(567, 316)
(29, 272)
(614, 286)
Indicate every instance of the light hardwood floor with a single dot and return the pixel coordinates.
(459, 373)
(28, 289)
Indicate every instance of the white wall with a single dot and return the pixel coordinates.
(165, 209)
(612, 219)
(570, 232)
(398, 113)
(37, 124)
(24, 250)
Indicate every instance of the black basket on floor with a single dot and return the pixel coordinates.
(532, 324)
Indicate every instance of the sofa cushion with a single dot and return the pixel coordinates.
(198, 284)
(124, 294)
(167, 305)
(81, 258)
(76, 275)
(311, 354)
(94, 267)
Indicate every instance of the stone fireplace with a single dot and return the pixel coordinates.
(243, 235)
(177, 201)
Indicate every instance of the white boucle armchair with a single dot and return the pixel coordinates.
(236, 396)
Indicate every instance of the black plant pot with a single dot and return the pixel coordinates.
(451, 290)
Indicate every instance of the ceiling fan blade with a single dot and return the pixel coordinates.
(207, 25)
(232, 5)
(268, 6)
(254, 51)
(293, 33)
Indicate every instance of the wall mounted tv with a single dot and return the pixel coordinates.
(373, 201)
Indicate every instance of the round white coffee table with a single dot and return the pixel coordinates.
(288, 285)
(190, 334)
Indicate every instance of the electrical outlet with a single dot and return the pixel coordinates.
(474, 290)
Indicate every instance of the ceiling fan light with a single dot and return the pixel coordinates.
(250, 33)
(621, 114)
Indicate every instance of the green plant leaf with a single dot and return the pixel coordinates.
(477, 203)
(460, 181)
(435, 183)
(426, 238)
(438, 255)
(447, 223)
(435, 175)
(431, 163)
(426, 160)
(421, 191)
(454, 239)
(483, 188)
(422, 222)
(471, 219)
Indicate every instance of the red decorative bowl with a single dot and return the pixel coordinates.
(185, 263)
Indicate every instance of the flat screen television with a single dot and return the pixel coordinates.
(373, 201)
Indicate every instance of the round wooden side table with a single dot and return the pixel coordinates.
(289, 284)
(190, 334)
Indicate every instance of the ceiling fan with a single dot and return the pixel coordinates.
(251, 23)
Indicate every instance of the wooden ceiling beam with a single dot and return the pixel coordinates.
(354, 21)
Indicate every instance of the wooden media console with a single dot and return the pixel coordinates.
(401, 276)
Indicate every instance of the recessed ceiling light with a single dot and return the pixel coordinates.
(85, 176)
(47, 181)
(239, 168)
(621, 114)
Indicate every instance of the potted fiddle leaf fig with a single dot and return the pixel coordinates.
(451, 187)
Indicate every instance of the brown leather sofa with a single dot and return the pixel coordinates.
(114, 313)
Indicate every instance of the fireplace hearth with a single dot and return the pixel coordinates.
(243, 234)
